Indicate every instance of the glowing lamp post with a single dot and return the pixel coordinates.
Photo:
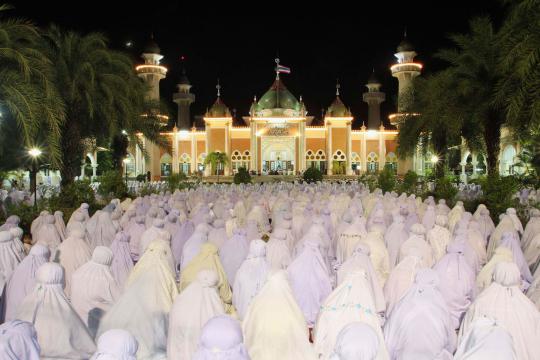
(34, 154)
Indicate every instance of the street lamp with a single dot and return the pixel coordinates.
(34, 153)
(126, 161)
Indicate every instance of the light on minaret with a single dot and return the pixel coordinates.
(405, 70)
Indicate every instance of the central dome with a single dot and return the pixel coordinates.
(278, 97)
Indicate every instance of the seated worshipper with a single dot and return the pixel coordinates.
(350, 238)
(61, 332)
(476, 241)
(252, 232)
(485, 222)
(72, 254)
(349, 302)
(238, 219)
(18, 341)
(17, 243)
(459, 282)
(310, 280)
(233, 252)
(378, 254)
(509, 240)
(274, 326)
(442, 208)
(278, 253)
(196, 304)
(193, 245)
(122, 264)
(221, 339)
(60, 224)
(401, 279)
(511, 212)
(357, 341)
(171, 223)
(143, 308)
(394, 236)
(127, 219)
(83, 210)
(94, 290)
(485, 276)
(151, 215)
(218, 234)
(504, 302)
(9, 259)
(208, 259)
(47, 234)
(344, 223)
(150, 234)
(505, 225)
(377, 218)
(439, 237)
(532, 231)
(11, 222)
(533, 292)
(36, 224)
(187, 228)
(135, 231)
(428, 220)
(116, 344)
(77, 224)
(420, 326)
(360, 261)
(23, 279)
(417, 239)
(104, 231)
(486, 339)
(250, 277)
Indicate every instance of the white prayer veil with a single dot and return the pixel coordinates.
(116, 344)
(221, 339)
(356, 341)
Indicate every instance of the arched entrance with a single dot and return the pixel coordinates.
(508, 156)
(278, 155)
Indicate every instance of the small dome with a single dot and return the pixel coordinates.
(373, 79)
(151, 47)
(183, 78)
(219, 109)
(405, 45)
(338, 109)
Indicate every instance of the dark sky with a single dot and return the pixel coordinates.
(238, 43)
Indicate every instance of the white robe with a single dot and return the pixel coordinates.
(72, 254)
(438, 238)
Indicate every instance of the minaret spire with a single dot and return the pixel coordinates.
(338, 86)
(218, 87)
(277, 68)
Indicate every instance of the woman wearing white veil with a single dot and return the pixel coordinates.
(486, 340)
(192, 308)
(504, 302)
(143, 308)
(61, 332)
(274, 326)
(394, 236)
(60, 224)
(439, 237)
(357, 341)
(72, 254)
(349, 302)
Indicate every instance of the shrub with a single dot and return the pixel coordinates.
(141, 178)
(176, 181)
(312, 175)
(242, 176)
(27, 213)
(112, 185)
(387, 180)
(369, 180)
(410, 181)
(498, 194)
(71, 196)
(445, 189)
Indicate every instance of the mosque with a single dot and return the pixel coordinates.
(278, 137)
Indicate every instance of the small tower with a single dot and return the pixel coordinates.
(374, 97)
(183, 98)
(151, 71)
(405, 70)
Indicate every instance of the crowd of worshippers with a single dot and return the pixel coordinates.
(274, 271)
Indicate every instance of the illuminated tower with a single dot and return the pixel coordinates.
(151, 71)
(374, 97)
(405, 70)
(183, 98)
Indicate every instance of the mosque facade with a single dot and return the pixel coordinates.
(277, 137)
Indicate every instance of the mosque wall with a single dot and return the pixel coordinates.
(316, 144)
(339, 139)
(240, 145)
(372, 146)
(217, 139)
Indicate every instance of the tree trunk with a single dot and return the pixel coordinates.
(72, 152)
(492, 138)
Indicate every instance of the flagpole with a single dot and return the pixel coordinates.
(277, 78)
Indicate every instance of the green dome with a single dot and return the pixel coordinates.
(338, 109)
(278, 98)
(219, 109)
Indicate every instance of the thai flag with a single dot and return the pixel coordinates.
(283, 69)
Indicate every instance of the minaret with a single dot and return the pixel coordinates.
(183, 98)
(151, 71)
(374, 97)
(405, 70)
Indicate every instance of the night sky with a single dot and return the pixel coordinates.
(238, 44)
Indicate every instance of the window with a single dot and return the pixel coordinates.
(356, 163)
(166, 164)
(185, 163)
(372, 162)
(391, 161)
(239, 160)
(316, 159)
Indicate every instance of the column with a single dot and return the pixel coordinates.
(253, 145)
(363, 151)
(227, 150)
(207, 168)
(475, 165)
(382, 149)
(348, 171)
(194, 154)
(82, 170)
(329, 150)
(303, 142)
(463, 176)
(176, 165)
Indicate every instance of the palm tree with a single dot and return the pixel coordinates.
(27, 94)
(518, 91)
(216, 160)
(102, 93)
